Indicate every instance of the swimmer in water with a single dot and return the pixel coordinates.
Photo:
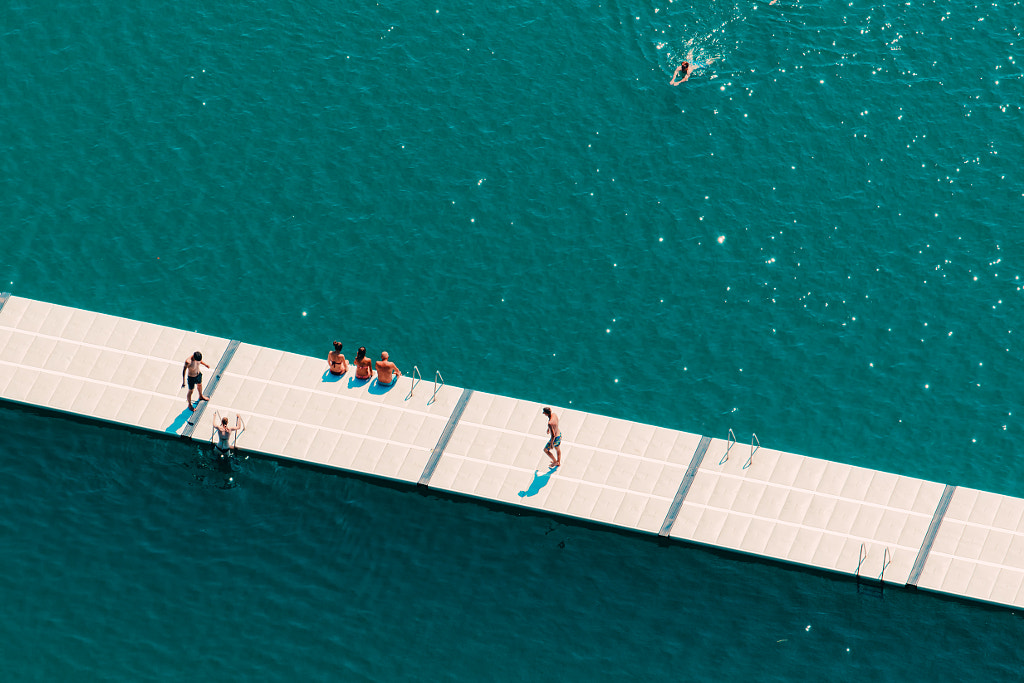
(684, 70)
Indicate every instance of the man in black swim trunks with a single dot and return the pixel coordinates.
(195, 377)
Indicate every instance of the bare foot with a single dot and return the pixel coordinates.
(204, 398)
(190, 407)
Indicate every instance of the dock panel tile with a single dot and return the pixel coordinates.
(1008, 587)
(300, 441)
(725, 492)
(750, 493)
(805, 545)
(794, 510)
(709, 525)
(413, 465)
(638, 439)
(810, 474)
(468, 476)
(66, 393)
(733, 531)
(278, 435)
(345, 453)
(783, 538)
(631, 509)
(390, 462)
(584, 500)
(654, 515)
(769, 506)
(560, 497)
(1010, 514)
(755, 540)
(293, 405)
(323, 445)
(865, 525)
(39, 351)
(607, 505)
(599, 466)
(368, 455)
(829, 552)
(43, 388)
(131, 410)
(88, 398)
(820, 512)
(17, 346)
(111, 400)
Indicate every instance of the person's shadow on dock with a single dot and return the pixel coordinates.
(328, 377)
(179, 421)
(354, 381)
(378, 388)
(539, 482)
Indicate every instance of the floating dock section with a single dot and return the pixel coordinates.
(878, 526)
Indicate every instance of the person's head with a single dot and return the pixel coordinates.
(361, 353)
(546, 411)
(197, 356)
(383, 355)
(224, 421)
(337, 346)
(684, 66)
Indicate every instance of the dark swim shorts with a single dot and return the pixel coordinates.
(193, 381)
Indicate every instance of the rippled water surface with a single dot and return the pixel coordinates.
(815, 239)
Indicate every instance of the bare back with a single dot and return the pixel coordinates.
(385, 371)
(553, 425)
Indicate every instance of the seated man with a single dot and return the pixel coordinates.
(387, 372)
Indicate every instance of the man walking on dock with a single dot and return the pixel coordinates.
(556, 438)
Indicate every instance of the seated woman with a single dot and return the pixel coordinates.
(363, 364)
(336, 363)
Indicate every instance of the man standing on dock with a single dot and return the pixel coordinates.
(556, 438)
(195, 377)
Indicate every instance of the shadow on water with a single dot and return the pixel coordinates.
(539, 482)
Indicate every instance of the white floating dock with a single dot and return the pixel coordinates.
(758, 501)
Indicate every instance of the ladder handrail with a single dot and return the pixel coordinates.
(730, 441)
(416, 379)
(437, 378)
(753, 449)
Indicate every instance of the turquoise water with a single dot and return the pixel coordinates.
(814, 239)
